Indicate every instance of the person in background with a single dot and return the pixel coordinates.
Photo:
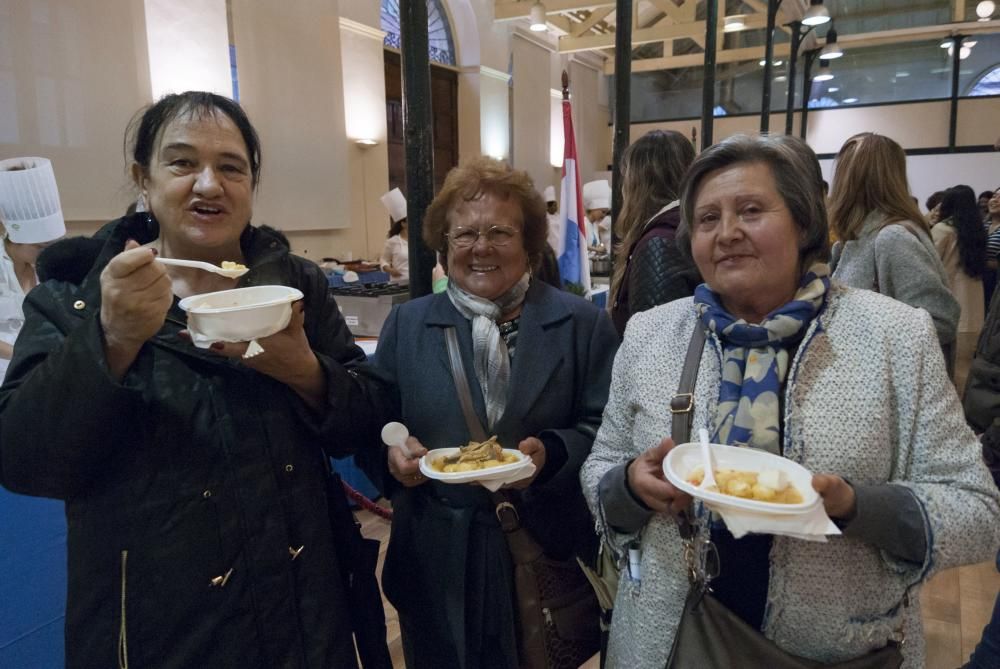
(32, 219)
(800, 366)
(203, 527)
(884, 243)
(538, 362)
(395, 257)
(933, 204)
(981, 402)
(649, 268)
(984, 204)
(555, 234)
(992, 247)
(597, 202)
(961, 242)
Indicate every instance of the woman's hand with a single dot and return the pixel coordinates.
(649, 484)
(838, 495)
(393, 272)
(534, 449)
(287, 357)
(405, 467)
(136, 294)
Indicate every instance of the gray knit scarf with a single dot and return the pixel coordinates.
(489, 351)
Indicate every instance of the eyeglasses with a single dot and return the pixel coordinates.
(496, 235)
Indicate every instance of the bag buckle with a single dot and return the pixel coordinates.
(682, 403)
(508, 517)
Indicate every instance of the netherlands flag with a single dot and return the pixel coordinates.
(574, 263)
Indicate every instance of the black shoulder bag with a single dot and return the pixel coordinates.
(709, 634)
(556, 608)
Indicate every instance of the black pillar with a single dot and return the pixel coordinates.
(796, 27)
(417, 124)
(807, 90)
(708, 79)
(956, 60)
(765, 97)
(623, 113)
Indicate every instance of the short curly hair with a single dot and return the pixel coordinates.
(469, 181)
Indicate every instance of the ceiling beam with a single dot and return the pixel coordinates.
(595, 17)
(509, 11)
(846, 41)
(658, 32)
(958, 10)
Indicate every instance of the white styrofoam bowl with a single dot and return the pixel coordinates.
(240, 314)
(682, 460)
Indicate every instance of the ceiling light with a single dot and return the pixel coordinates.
(538, 18)
(946, 44)
(734, 23)
(780, 77)
(763, 62)
(964, 52)
(833, 89)
(850, 101)
(969, 43)
(985, 9)
(900, 75)
(824, 72)
(831, 49)
(816, 15)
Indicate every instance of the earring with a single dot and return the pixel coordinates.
(140, 204)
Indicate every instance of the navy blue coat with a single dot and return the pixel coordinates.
(447, 568)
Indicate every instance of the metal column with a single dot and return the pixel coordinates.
(708, 79)
(765, 97)
(956, 60)
(417, 124)
(623, 113)
(796, 27)
(806, 89)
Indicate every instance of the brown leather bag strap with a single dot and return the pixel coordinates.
(476, 430)
(682, 403)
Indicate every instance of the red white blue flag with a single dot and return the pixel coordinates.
(574, 263)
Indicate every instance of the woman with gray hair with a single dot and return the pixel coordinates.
(789, 366)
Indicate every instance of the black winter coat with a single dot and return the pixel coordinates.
(196, 490)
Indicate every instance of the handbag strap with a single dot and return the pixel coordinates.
(476, 430)
(682, 409)
(506, 512)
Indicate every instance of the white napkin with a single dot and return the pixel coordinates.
(493, 484)
(810, 525)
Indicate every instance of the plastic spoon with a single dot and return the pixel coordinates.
(395, 434)
(207, 266)
(708, 481)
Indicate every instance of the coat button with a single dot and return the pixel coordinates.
(289, 468)
(220, 581)
(79, 304)
(294, 552)
(206, 494)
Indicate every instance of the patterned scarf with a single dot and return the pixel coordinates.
(489, 351)
(755, 360)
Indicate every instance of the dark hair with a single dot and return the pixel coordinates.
(471, 180)
(935, 199)
(988, 194)
(653, 167)
(960, 207)
(395, 227)
(145, 127)
(797, 178)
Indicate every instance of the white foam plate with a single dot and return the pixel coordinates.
(685, 458)
(503, 471)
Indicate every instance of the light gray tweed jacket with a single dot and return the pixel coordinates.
(892, 260)
(867, 398)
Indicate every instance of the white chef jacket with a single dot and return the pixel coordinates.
(11, 304)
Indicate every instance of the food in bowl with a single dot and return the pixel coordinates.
(240, 314)
(229, 264)
(474, 456)
(769, 485)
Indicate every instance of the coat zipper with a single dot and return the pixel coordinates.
(122, 631)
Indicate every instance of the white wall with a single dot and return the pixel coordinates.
(188, 44)
(532, 123)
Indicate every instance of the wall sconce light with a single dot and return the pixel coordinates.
(816, 15)
(537, 14)
(734, 24)
(366, 142)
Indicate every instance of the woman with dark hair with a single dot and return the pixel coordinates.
(649, 269)
(538, 363)
(201, 519)
(395, 258)
(933, 205)
(960, 240)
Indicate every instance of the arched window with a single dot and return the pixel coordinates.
(988, 84)
(441, 48)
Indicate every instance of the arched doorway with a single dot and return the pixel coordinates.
(444, 93)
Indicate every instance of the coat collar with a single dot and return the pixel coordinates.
(538, 354)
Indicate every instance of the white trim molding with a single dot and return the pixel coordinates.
(536, 39)
(361, 29)
(494, 74)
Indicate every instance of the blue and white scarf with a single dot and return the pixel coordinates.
(755, 360)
